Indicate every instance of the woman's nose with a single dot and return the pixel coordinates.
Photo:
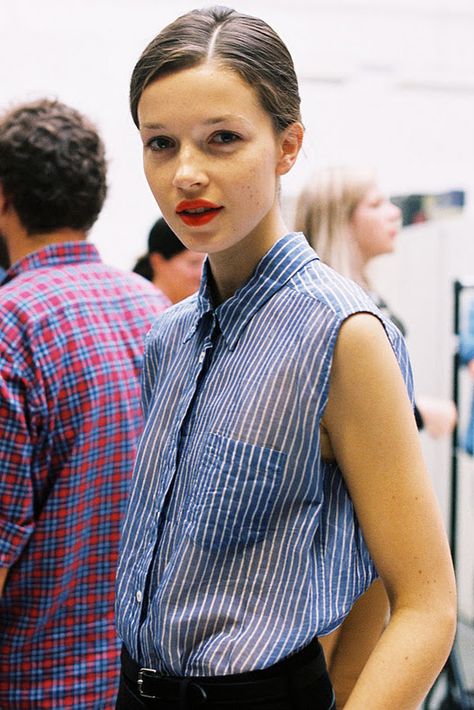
(395, 212)
(189, 171)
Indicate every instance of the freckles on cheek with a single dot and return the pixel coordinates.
(251, 196)
(259, 186)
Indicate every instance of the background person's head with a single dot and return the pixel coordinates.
(172, 268)
(52, 168)
(347, 219)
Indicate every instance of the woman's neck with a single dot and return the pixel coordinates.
(359, 270)
(233, 267)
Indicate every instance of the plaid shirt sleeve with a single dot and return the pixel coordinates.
(16, 490)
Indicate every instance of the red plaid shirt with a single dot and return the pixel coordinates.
(71, 341)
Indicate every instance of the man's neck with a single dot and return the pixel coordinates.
(22, 244)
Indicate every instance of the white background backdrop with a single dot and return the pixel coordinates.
(389, 83)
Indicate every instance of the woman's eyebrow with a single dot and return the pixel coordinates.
(225, 117)
(207, 122)
(151, 125)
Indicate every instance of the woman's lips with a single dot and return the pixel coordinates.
(195, 213)
(195, 219)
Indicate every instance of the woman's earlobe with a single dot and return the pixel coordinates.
(156, 261)
(291, 142)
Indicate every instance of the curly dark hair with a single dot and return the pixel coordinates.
(52, 166)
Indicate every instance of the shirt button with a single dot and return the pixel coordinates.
(139, 596)
(202, 356)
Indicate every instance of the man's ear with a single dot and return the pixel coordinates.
(4, 201)
(291, 140)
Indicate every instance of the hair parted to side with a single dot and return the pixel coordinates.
(52, 166)
(324, 211)
(242, 43)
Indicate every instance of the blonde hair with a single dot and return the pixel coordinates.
(324, 211)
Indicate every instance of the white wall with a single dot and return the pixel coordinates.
(358, 62)
(388, 83)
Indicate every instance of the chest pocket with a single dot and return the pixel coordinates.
(235, 493)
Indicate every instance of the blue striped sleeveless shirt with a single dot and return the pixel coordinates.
(240, 543)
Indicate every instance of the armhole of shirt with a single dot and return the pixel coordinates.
(395, 339)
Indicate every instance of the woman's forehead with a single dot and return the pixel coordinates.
(210, 93)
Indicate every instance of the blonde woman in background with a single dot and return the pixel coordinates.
(349, 221)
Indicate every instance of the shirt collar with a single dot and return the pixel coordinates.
(285, 258)
(53, 255)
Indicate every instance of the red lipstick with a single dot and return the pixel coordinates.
(194, 213)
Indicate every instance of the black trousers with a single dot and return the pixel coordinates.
(299, 682)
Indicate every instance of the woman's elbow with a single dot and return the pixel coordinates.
(447, 618)
(442, 619)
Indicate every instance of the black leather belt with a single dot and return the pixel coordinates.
(271, 683)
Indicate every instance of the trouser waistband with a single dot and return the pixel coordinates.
(299, 669)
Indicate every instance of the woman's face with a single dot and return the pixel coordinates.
(212, 159)
(178, 276)
(375, 224)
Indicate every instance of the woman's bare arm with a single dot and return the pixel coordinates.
(371, 426)
(350, 645)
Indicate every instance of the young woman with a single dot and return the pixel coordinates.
(349, 221)
(243, 541)
(173, 269)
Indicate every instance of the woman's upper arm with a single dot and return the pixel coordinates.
(370, 422)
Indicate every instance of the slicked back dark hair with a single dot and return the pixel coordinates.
(52, 166)
(242, 43)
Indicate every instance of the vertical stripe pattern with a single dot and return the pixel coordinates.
(240, 543)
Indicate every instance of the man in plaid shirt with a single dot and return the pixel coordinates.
(71, 339)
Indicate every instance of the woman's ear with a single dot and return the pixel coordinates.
(156, 261)
(291, 140)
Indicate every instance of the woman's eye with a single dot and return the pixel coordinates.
(225, 137)
(159, 143)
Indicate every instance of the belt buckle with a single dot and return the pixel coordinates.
(141, 678)
(202, 698)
